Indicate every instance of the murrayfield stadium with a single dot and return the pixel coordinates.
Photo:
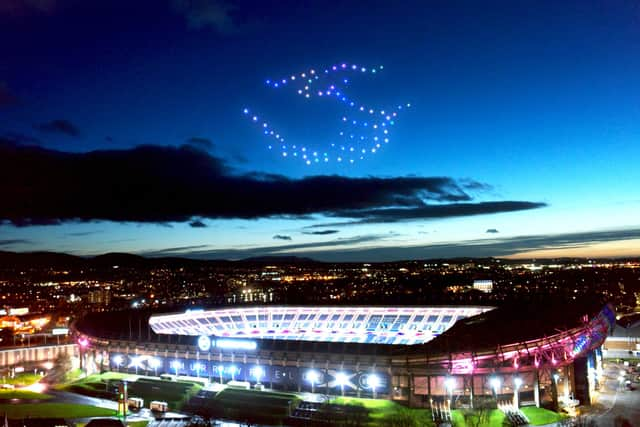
(416, 355)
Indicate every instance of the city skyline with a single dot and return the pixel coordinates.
(123, 129)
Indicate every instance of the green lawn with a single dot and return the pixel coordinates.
(383, 411)
(54, 410)
(23, 379)
(175, 393)
(495, 419)
(540, 416)
(23, 394)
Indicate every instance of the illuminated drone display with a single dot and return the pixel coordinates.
(362, 130)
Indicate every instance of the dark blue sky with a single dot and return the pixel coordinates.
(530, 110)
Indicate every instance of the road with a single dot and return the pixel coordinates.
(616, 400)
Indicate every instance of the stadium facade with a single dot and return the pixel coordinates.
(465, 354)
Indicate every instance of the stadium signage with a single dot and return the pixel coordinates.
(206, 343)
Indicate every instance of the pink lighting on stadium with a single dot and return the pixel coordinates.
(83, 342)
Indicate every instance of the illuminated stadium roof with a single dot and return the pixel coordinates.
(375, 325)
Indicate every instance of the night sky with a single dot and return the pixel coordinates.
(122, 128)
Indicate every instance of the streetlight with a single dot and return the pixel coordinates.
(342, 379)
(176, 365)
(495, 384)
(313, 377)
(517, 382)
(233, 369)
(118, 361)
(374, 383)
(154, 363)
(258, 373)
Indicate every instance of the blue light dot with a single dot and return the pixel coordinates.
(284, 154)
(255, 118)
(386, 140)
(268, 82)
(269, 147)
(339, 159)
(264, 125)
(308, 162)
(246, 111)
(363, 69)
(275, 85)
(354, 66)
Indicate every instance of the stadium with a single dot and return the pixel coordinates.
(416, 355)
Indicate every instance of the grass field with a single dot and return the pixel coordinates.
(53, 410)
(262, 404)
(540, 416)
(23, 394)
(385, 411)
(23, 379)
(175, 393)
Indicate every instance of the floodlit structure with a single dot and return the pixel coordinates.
(417, 354)
(373, 325)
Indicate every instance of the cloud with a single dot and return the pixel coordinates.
(339, 250)
(10, 242)
(200, 14)
(175, 251)
(6, 97)
(281, 237)
(199, 142)
(163, 184)
(492, 231)
(83, 233)
(388, 215)
(292, 249)
(197, 224)
(59, 126)
(321, 232)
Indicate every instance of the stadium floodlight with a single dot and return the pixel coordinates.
(449, 383)
(258, 373)
(118, 360)
(342, 379)
(495, 384)
(313, 377)
(374, 382)
(154, 363)
(136, 362)
(233, 370)
(176, 365)
(83, 342)
(517, 382)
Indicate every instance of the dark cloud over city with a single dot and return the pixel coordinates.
(165, 183)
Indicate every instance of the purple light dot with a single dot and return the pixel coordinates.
(344, 65)
(334, 68)
(284, 81)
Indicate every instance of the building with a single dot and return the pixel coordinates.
(414, 354)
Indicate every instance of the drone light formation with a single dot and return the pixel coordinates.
(363, 129)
